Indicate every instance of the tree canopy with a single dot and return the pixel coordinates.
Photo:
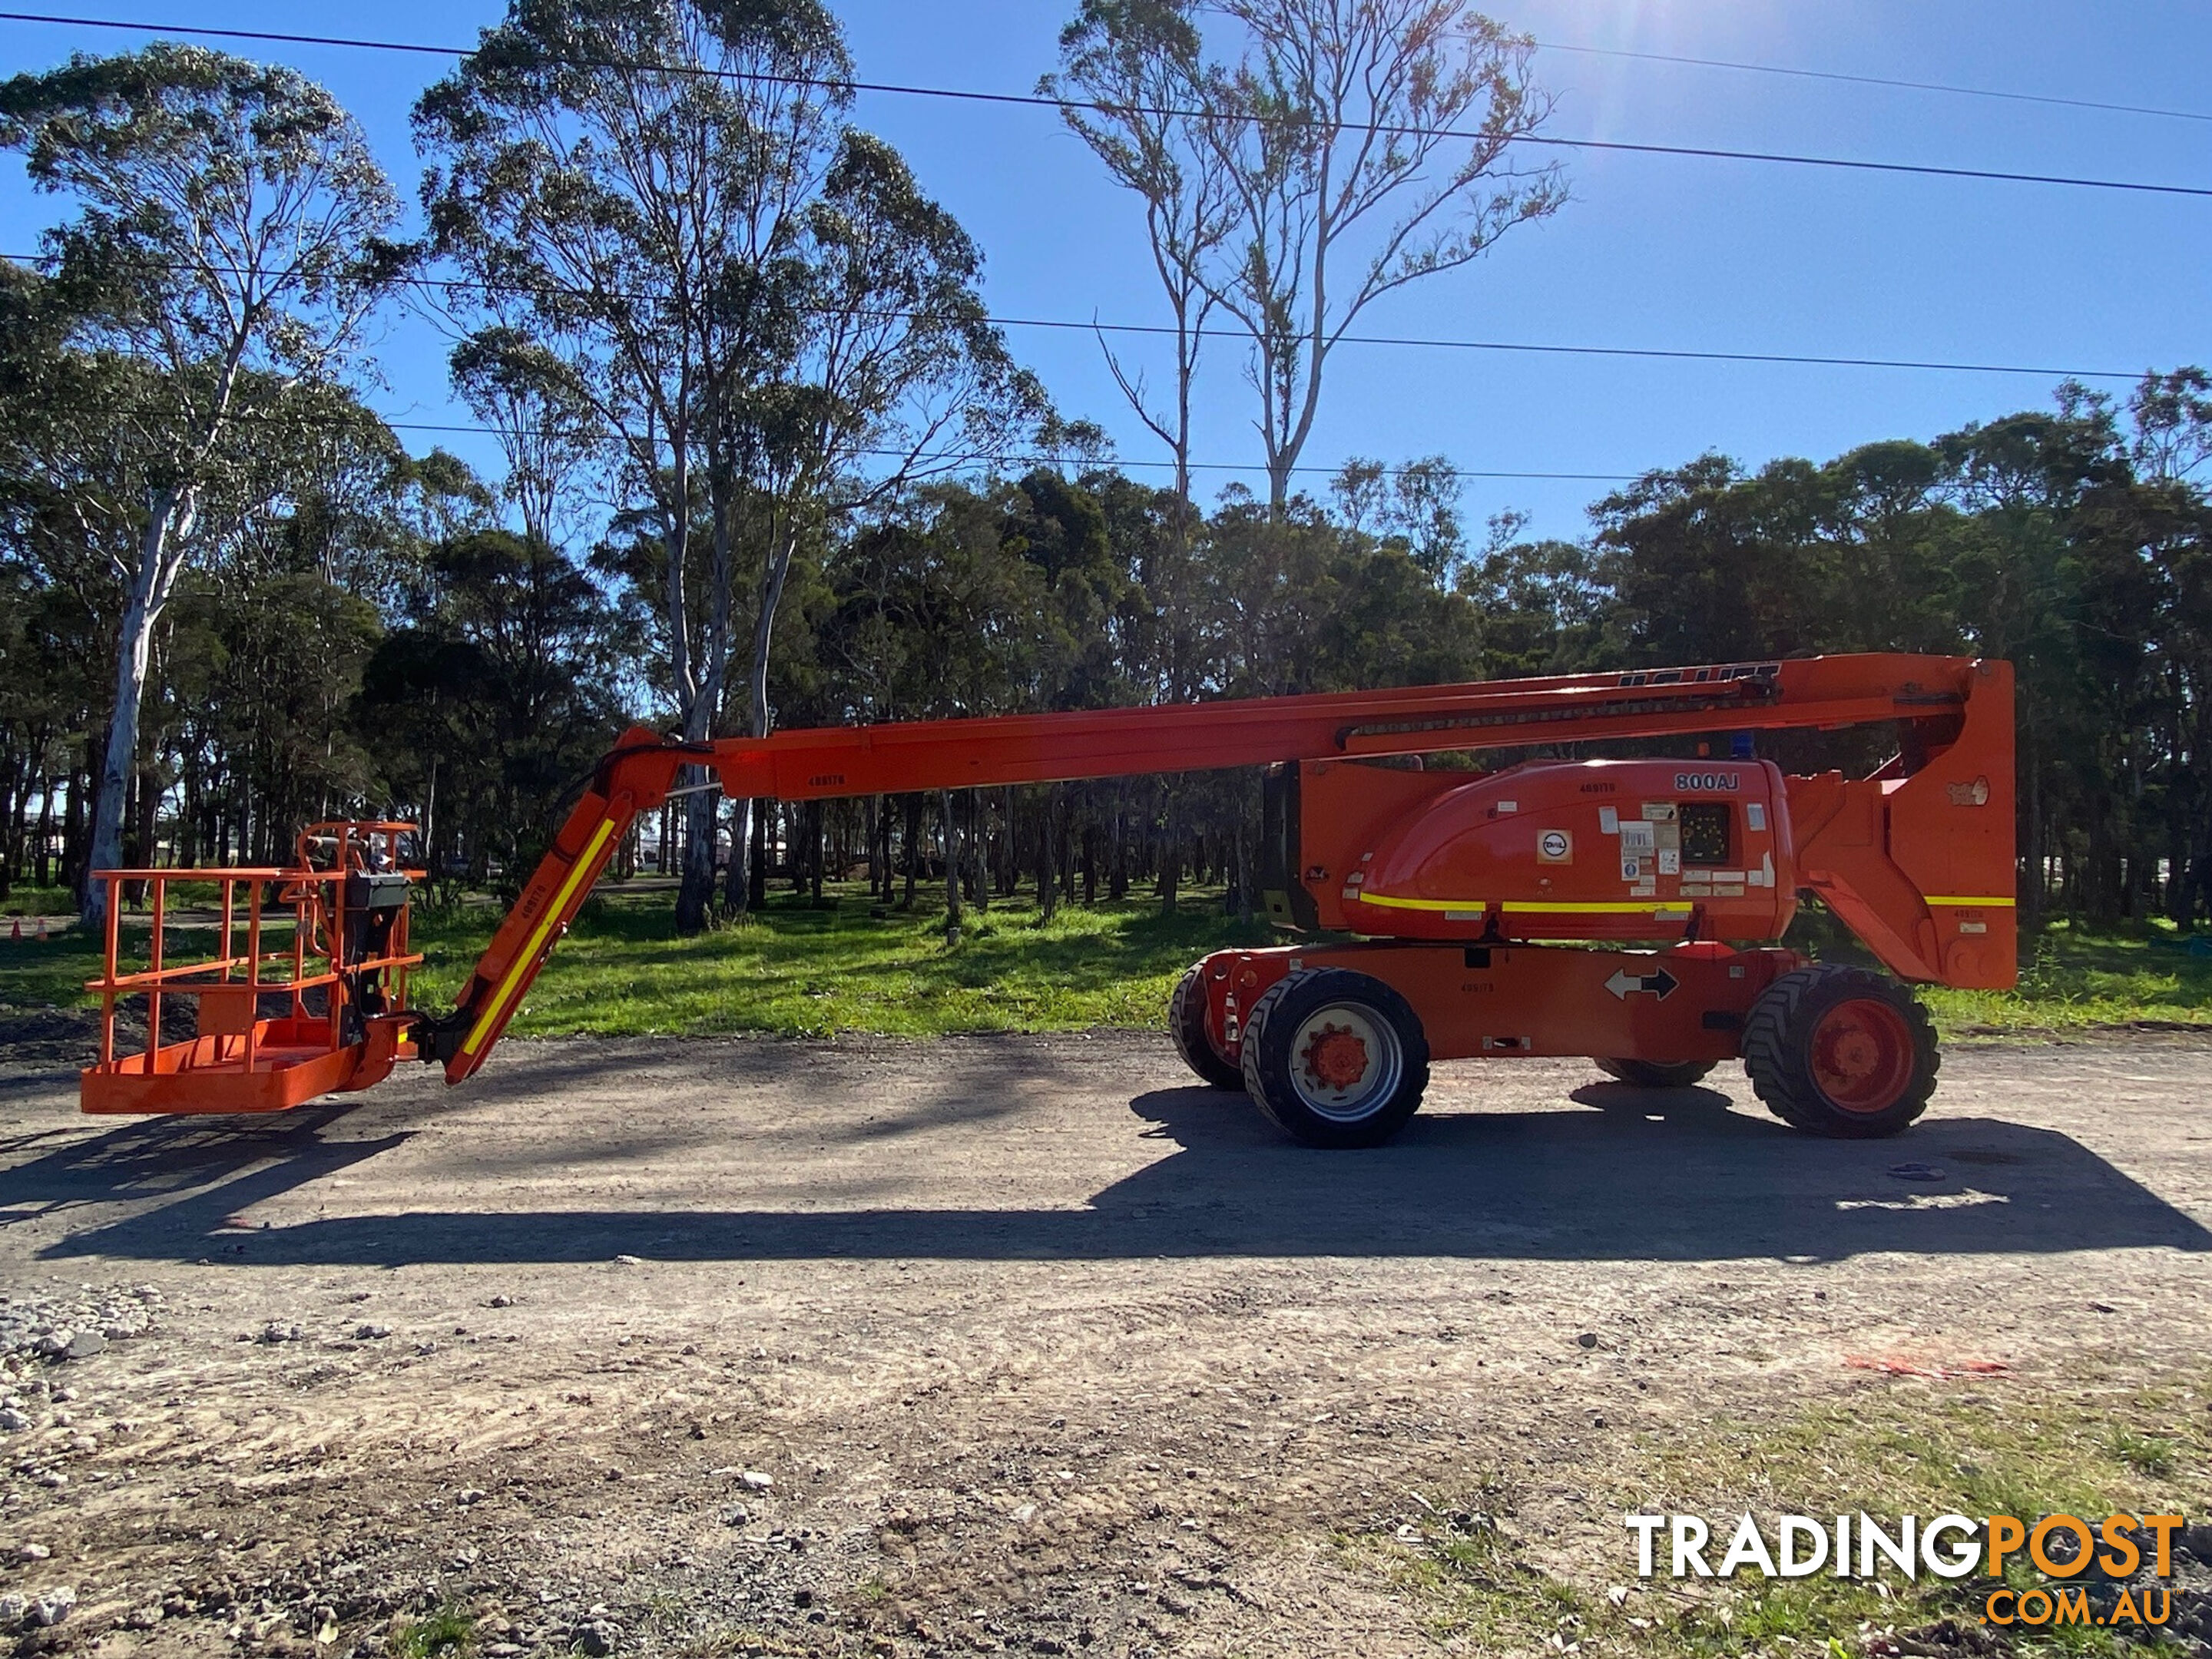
(764, 460)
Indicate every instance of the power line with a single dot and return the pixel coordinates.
(1031, 101)
(1416, 342)
(1883, 81)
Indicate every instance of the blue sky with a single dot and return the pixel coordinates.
(1652, 252)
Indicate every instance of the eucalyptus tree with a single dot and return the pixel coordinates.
(1133, 85)
(1417, 503)
(544, 426)
(1368, 144)
(227, 248)
(894, 376)
(748, 298)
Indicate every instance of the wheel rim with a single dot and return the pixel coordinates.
(1345, 1062)
(1862, 1055)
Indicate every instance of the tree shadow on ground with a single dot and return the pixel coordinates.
(1672, 1174)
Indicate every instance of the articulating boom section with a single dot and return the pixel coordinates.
(1916, 858)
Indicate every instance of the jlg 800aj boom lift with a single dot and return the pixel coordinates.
(1447, 914)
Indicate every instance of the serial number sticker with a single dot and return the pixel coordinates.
(1659, 811)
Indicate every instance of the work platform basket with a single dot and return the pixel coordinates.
(284, 1018)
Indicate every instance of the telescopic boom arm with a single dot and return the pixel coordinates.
(1940, 698)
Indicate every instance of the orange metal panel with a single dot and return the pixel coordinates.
(209, 1074)
(1649, 850)
(1683, 1004)
(1922, 867)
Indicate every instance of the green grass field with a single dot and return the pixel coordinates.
(28, 899)
(796, 970)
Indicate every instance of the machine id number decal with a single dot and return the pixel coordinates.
(1708, 779)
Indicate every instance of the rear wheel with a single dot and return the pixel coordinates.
(1335, 1058)
(1654, 1074)
(1186, 1025)
(1840, 1051)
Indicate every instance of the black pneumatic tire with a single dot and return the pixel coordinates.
(1842, 1052)
(1348, 1020)
(1186, 1025)
(1654, 1074)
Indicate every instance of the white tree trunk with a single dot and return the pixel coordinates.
(697, 887)
(134, 654)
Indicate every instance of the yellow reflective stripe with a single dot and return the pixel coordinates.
(1385, 900)
(1994, 903)
(1607, 908)
(1557, 907)
(576, 874)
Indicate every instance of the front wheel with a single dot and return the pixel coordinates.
(1655, 1073)
(1840, 1051)
(1335, 1058)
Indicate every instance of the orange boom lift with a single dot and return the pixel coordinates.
(1621, 909)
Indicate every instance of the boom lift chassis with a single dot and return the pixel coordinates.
(1622, 909)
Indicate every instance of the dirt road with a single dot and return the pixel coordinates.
(1014, 1343)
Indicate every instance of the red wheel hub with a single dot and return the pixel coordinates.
(1862, 1054)
(1336, 1058)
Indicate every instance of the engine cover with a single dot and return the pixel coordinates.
(1639, 849)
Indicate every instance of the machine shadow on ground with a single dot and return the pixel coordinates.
(1613, 1173)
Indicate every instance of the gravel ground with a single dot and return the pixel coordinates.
(986, 1343)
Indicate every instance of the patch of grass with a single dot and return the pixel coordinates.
(2146, 1454)
(29, 899)
(2073, 980)
(53, 974)
(1470, 1585)
(448, 1633)
(793, 970)
(2090, 1450)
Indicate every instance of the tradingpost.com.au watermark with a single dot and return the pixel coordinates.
(2061, 1547)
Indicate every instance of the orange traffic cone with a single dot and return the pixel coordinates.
(42, 930)
(15, 934)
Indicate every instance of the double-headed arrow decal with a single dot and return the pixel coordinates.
(1659, 983)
